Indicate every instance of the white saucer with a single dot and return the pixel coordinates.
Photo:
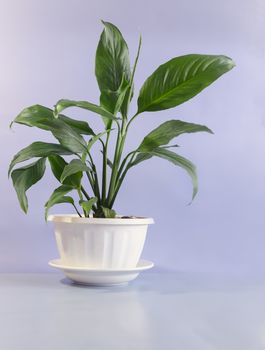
(101, 277)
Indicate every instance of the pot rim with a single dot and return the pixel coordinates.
(75, 219)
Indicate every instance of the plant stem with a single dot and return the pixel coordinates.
(81, 198)
(94, 182)
(120, 180)
(104, 170)
(77, 211)
(123, 163)
(133, 73)
(115, 166)
(136, 114)
(85, 193)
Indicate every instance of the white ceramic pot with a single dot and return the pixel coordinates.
(100, 243)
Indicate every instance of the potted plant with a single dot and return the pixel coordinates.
(96, 237)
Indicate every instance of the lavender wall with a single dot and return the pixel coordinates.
(47, 53)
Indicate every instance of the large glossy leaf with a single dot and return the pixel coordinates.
(58, 196)
(79, 126)
(25, 177)
(65, 134)
(112, 65)
(63, 104)
(30, 116)
(57, 165)
(180, 79)
(74, 167)
(165, 132)
(37, 150)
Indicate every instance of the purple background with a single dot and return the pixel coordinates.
(47, 53)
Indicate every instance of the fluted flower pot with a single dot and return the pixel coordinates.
(99, 243)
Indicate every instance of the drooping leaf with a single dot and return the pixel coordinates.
(180, 79)
(58, 196)
(59, 200)
(165, 132)
(25, 177)
(37, 150)
(74, 167)
(181, 162)
(112, 65)
(87, 205)
(30, 116)
(57, 165)
(140, 158)
(174, 158)
(108, 213)
(63, 104)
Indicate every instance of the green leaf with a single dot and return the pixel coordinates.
(118, 97)
(94, 139)
(79, 126)
(181, 162)
(43, 118)
(38, 149)
(112, 65)
(180, 79)
(140, 158)
(170, 146)
(174, 158)
(66, 135)
(74, 167)
(164, 133)
(108, 213)
(30, 116)
(87, 205)
(58, 196)
(121, 93)
(57, 165)
(25, 177)
(63, 104)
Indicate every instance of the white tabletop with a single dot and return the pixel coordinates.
(159, 310)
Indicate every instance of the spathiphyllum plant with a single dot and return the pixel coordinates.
(71, 156)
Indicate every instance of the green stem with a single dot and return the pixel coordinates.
(81, 198)
(122, 135)
(104, 170)
(85, 193)
(115, 166)
(120, 180)
(77, 210)
(136, 114)
(123, 163)
(133, 73)
(95, 183)
(88, 197)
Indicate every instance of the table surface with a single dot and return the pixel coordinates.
(159, 310)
